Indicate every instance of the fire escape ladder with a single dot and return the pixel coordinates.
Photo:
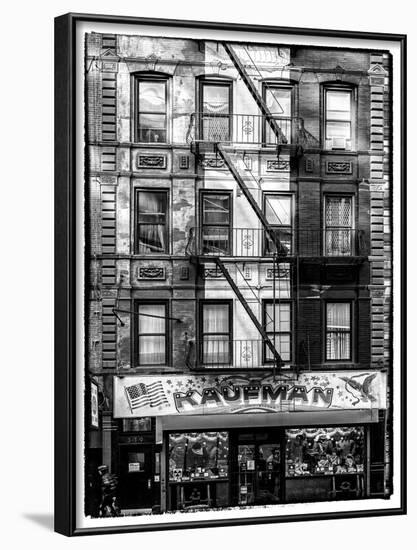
(249, 311)
(255, 93)
(224, 154)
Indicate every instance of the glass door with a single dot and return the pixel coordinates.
(259, 470)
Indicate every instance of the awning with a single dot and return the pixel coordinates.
(284, 419)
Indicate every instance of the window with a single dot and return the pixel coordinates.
(151, 333)
(278, 327)
(151, 110)
(278, 100)
(216, 333)
(338, 450)
(152, 226)
(338, 331)
(143, 424)
(278, 212)
(216, 109)
(216, 221)
(338, 232)
(338, 118)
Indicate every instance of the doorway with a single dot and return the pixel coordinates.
(135, 485)
(258, 468)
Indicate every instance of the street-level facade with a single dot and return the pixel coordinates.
(239, 297)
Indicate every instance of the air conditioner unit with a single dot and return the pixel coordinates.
(338, 143)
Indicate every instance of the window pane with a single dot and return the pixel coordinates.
(216, 128)
(216, 209)
(338, 346)
(278, 209)
(152, 96)
(278, 101)
(215, 240)
(151, 350)
(282, 343)
(338, 130)
(152, 206)
(216, 349)
(148, 324)
(152, 128)
(338, 316)
(215, 318)
(338, 211)
(151, 239)
(282, 317)
(337, 450)
(216, 99)
(194, 456)
(338, 101)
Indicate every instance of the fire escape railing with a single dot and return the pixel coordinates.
(253, 242)
(244, 129)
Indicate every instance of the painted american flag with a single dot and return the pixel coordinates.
(146, 395)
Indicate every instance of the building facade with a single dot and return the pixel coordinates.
(239, 273)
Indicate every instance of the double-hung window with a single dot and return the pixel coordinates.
(278, 100)
(338, 232)
(216, 110)
(151, 222)
(151, 333)
(339, 118)
(279, 215)
(216, 223)
(151, 110)
(216, 333)
(338, 331)
(277, 323)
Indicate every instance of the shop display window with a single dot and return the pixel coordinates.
(324, 451)
(198, 456)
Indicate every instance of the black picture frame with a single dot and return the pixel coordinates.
(69, 256)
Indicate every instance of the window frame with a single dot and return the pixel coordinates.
(207, 81)
(265, 196)
(265, 302)
(350, 332)
(136, 336)
(352, 228)
(137, 191)
(352, 90)
(206, 192)
(201, 332)
(265, 126)
(137, 79)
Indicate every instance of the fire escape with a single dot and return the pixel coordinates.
(231, 140)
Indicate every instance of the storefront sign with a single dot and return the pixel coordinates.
(136, 396)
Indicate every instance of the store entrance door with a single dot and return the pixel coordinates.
(258, 468)
(135, 486)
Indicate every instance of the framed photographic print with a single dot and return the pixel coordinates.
(230, 274)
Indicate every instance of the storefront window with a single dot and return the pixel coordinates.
(198, 456)
(321, 451)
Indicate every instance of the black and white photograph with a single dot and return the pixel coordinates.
(237, 207)
(207, 335)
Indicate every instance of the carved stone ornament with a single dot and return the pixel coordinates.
(151, 161)
(277, 165)
(211, 163)
(338, 167)
(151, 272)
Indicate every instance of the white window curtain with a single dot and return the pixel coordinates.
(152, 222)
(338, 232)
(338, 324)
(216, 342)
(152, 333)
